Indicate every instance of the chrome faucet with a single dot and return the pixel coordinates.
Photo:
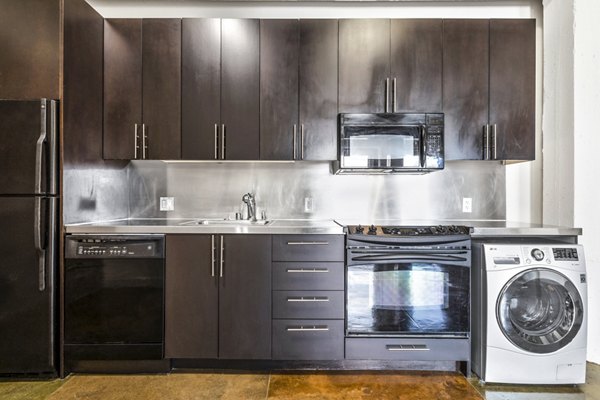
(250, 201)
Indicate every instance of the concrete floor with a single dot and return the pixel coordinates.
(284, 386)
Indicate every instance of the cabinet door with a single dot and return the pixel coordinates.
(240, 88)
(245, 297)
(161, 52)
(364, 65)
(122, 87)
(279, 89)
(512, 88)
(465, 82)
(318, 89)
(416, 65)
(191, 298)
(200, 88)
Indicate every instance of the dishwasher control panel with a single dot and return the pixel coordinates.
(114, 246)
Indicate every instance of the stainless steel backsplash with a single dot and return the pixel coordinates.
(208, 189)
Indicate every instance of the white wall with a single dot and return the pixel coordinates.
(586, 143)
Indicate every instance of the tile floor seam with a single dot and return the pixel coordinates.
(268, 386)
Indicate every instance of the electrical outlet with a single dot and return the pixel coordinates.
(167, 203)
(308, 204)
(467, 204)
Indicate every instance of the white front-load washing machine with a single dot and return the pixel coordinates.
(532, 314)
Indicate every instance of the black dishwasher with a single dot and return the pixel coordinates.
(114, 297)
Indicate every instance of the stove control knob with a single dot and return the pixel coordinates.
(372, 230)
(359, 229)
(537, 254)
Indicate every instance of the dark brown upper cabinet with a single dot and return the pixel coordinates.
(318, 90)
(218, 296)
(279, 53)
(390, 65)
(220, 89)
(512, 89)
(298, 89)
(142, 89)
(489, 89)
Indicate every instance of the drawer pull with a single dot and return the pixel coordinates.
(308, 243)
(310, 328)
(406, 347)
(306, 270)
(307, 299)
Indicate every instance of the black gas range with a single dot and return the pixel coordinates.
(407, 231)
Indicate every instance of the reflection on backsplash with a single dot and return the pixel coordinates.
(210, 189)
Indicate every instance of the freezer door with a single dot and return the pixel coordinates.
(27, 289)
(28, 147)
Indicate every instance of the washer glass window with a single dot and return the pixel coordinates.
(540, 310)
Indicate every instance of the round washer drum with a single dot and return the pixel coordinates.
(539, 310)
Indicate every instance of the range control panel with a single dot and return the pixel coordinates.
(114, 247)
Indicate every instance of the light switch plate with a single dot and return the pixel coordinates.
(167, 203)
(467, 204)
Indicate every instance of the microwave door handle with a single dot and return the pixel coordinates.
(423, 145)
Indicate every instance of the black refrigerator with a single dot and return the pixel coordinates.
(28, 236)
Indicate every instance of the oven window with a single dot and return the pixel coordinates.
(411, 298)
(381, 147)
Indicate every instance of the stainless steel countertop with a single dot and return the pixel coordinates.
(178, 225)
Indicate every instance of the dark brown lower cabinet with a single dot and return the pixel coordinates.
(218, 296)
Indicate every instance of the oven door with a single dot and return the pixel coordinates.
(408, 298)
(382, 146)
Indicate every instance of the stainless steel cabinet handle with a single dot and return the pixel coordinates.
(295, 142)
(394, 95)
(144, 144)
(494, 142)
(136, 139)
(37, 239)
(39, 153)
(486, 142)
(222, 260)
(306, 270)
(302, 299)
(312, 328)
(387, 94)
(302, 141)
(212, 255)
(216, 141)
(308, 243)
(406, 347)
(222, 141)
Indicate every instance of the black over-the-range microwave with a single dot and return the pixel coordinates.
(390, 143)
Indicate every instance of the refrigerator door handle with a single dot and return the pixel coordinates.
(39, 149)
(41, 251)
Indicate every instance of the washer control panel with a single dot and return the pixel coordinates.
(504, 256)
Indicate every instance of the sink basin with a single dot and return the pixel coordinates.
(228, 222)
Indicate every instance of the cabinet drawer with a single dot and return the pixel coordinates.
(308, 248)
(308, 339)
(308, 276)
(408, 349)
(308, 304)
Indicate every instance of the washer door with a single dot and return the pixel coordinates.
(539, 310)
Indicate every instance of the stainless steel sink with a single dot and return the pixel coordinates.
(227, 222)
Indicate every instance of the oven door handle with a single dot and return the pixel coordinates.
(406, 251)
(409, 257)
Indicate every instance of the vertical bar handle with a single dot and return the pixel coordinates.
(494, 142)
(302, 141)
(387, 94)
(39, 152)
(37, 240)
(294, 141)
(222, 141)
(394, 95)
(216, 141)
(144, 145)
(212, 255)
(136, 141)
(423, 155)
(486, 142)
(222, 260)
